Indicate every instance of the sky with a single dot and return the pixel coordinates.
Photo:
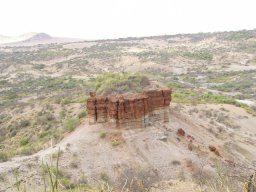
(103, 19)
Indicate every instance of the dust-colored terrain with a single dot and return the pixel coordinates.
(153, 154)
(44, 88)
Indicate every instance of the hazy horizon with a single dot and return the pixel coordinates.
(120, 19)
(126, 36)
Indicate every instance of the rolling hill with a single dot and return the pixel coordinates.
(30, 39)
(43, 94)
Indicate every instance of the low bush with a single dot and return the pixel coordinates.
(82, 114)
(3, 157)
(103, 135)
(197, 97)
(3, 82)
(39, 66)
(199, 55)
(71, 124)
(24, 123)
(11, 95)
(109, 83)
(24, 141)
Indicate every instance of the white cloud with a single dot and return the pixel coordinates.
(94, 19)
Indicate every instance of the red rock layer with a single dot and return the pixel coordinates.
(134, 110)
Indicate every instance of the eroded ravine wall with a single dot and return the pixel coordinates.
(130, 111)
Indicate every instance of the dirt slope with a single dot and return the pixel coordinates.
(153, 154)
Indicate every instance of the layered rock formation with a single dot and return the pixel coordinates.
(128, 111)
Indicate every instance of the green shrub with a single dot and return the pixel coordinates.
(212, 98)
(68, 100)
(44, 118)
(43, 134)
(27, 150)
(115, 142)
(3, 82)
(119, 83)
(176, 85)
(199, 55)
(39, 66)
(24, 123)
(71, 124)
(103, 135)
(192, 96)
(82, 114)
(62, 113)
(239, 35)
(24, 141)
(104, 176)
(184, 97)
(3, 157)
(11, 95)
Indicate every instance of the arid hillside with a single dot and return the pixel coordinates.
(43, 94)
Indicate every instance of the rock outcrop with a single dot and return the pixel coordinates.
(131, 110)
(181, 132)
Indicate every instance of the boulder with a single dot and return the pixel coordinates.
(181, 132)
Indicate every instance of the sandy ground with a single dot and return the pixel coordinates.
(155, 153)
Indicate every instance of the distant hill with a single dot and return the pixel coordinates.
(29, 39)
(38, 37)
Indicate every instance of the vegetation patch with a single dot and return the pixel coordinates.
(110, 83)
(3, 157)
(103, 135)
(199, 55)
(24, 141)
(81, 115)
(39, 66)
(239, 35)
(197, 97)
(114, 137)
(71, 124)
(3, 82)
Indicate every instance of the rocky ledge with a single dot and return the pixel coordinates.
(129, 110)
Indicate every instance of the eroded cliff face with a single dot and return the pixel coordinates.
(129, 111)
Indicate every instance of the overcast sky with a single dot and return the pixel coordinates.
(98, 19)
